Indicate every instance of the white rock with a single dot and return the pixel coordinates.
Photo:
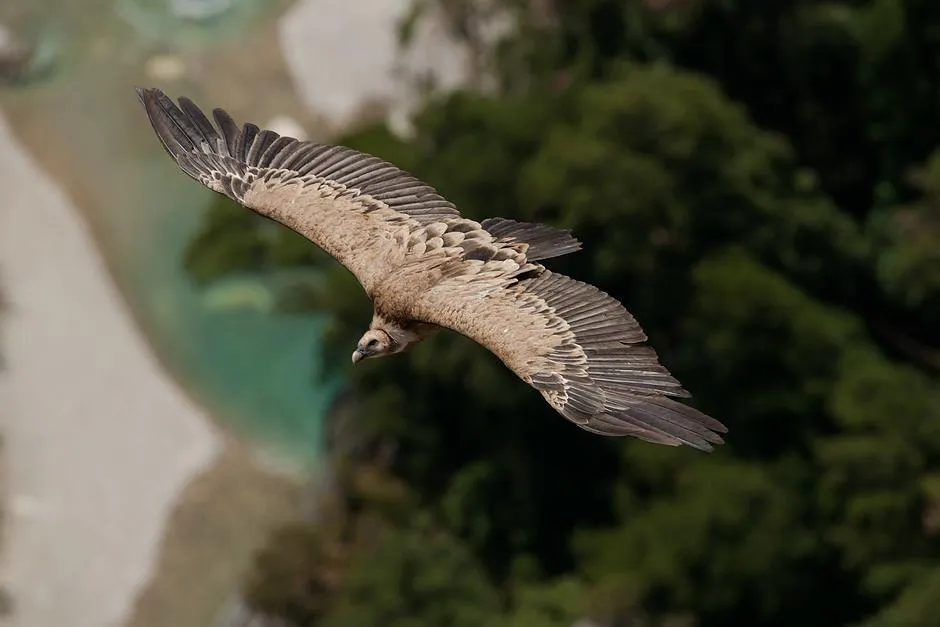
(98, 440)
(8, 40)
(342, 53)
(165, 67)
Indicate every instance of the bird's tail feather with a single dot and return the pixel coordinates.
(544, 241)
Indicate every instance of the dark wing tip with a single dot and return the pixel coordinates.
(190, 138)
(618, 423)
(165, 118)
(667, 418)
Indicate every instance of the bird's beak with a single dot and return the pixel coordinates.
(357, 356)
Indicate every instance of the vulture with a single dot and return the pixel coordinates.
(427, 268)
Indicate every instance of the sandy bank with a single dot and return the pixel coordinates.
(343, 55)
(99, 441)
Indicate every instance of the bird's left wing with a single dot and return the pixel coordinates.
(575, 344)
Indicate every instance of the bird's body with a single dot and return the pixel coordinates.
(427, 268)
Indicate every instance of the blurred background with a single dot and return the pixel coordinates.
(184, 442)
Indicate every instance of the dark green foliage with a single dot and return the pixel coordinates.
(295, 575)
(374, 558)
(234, 240)
(908, 261)
(416, 575)
(758, 182)
(918, 605)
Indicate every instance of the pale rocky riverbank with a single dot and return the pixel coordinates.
(98, 440)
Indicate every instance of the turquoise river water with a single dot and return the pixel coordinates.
(257, 373)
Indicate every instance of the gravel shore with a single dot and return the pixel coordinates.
(98, 439)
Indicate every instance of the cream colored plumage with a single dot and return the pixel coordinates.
(425, 268)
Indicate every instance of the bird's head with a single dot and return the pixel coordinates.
(373, 343)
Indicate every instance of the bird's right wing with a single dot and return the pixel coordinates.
(358, 208)
(575, 344)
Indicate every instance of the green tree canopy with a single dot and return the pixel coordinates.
(758, 184)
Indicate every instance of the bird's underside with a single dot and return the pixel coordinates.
(423, 265)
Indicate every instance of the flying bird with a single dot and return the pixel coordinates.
(427, 268)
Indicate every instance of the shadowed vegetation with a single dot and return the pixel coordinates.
(759, 184)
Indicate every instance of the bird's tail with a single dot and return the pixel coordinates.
(544, 241)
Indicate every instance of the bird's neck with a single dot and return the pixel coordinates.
(405, 333)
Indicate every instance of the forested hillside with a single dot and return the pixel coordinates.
(759, 183)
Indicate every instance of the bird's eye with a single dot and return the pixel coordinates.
(372, 343)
